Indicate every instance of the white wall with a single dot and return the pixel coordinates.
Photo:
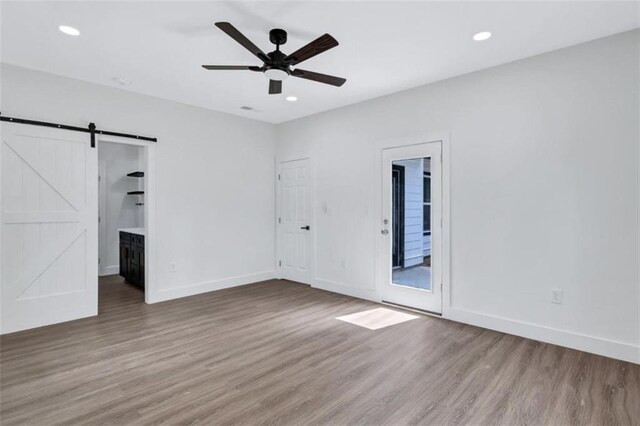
(543, 186)
(214, 176)
(120, 209)
(413, 195)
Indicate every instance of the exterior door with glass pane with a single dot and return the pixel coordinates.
(411, 230)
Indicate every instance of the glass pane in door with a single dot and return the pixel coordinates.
(411, 223)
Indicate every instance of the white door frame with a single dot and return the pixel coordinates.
(402, 141)
(312, 220)
(150, 250)
(102, 197)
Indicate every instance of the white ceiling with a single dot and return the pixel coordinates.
(384, 46)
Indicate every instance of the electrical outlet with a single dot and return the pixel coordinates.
(172, 267)
(556, 296)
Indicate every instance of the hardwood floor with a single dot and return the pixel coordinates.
(273, 352)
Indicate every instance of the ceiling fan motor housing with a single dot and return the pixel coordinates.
(277, 68)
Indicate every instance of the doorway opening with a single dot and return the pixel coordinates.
(122, 239)
(53, 216)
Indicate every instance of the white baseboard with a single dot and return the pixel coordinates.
(581, 342)
(207, 286)
(109, 270)
(342, 289)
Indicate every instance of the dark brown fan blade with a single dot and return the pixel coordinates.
(316, 76)
(232, 67)
(316, 47)
(240, 38)
(275, 87)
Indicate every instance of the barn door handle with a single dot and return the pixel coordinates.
(305, 227)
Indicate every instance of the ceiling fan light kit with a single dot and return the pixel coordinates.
(276, 74)
(277, 65)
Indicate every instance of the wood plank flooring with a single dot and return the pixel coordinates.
(273, 353)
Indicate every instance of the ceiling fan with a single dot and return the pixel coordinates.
(276, 65)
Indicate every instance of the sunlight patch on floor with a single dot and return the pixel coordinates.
(377, 318)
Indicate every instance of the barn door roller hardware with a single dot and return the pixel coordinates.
(91, 129)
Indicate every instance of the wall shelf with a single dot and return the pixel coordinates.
(136, 174)
(135, 192)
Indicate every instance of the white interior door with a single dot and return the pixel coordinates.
(412, 227)
(49, 227)
(294, 220)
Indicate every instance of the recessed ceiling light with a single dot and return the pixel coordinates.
(482, 36)
(292, 98)
(69, 30)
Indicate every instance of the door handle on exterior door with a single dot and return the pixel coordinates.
(305, 227)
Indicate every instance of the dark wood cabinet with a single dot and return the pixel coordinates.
(132, 258)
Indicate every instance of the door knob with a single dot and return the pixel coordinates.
(305, 227)
(384, 232)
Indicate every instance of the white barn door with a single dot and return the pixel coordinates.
(49, 227)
